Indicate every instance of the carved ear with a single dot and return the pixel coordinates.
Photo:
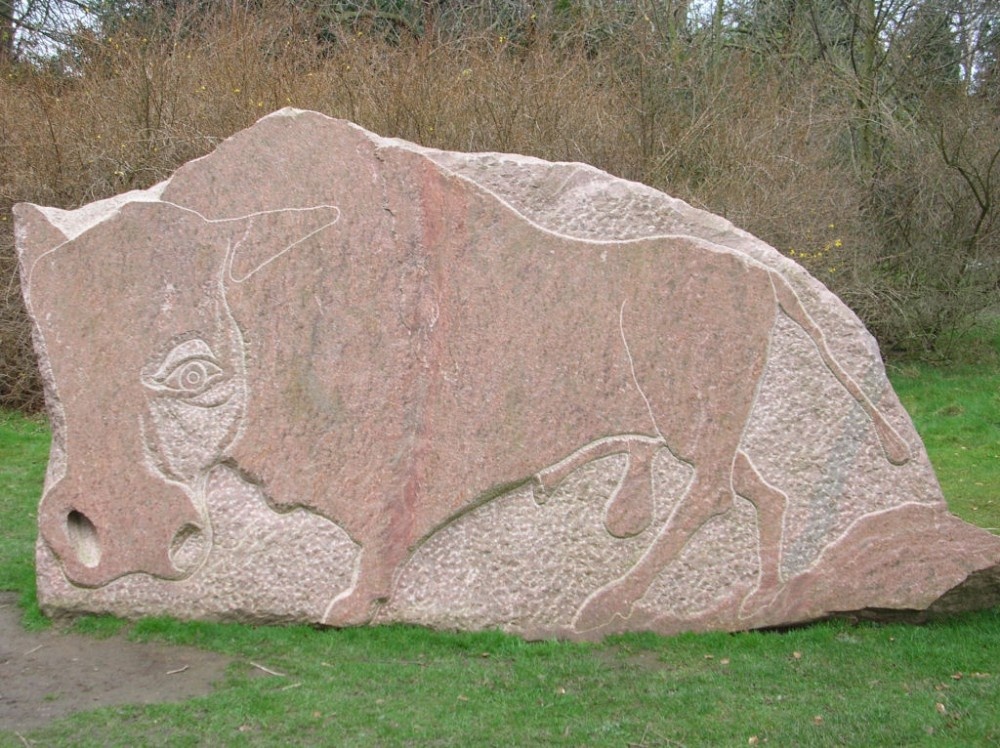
(35, 234)
(258, 242)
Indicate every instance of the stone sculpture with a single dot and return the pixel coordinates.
(321, 375)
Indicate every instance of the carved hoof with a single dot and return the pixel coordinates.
(759, 600)
(351, 608)
(602, 607)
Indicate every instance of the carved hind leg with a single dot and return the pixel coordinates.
(709, 495)
(770, 504)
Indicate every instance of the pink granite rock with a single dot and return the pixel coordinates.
(325, 376)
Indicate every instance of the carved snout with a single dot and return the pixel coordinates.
(151, 527)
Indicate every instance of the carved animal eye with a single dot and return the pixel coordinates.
(189, 370)
(192, 377)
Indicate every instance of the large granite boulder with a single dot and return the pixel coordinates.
(325, 376)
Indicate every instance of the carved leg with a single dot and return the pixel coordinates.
(770, 504)
(706, 498)
(358, 604)
(630, 508)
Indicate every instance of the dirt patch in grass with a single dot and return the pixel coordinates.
(50, 674)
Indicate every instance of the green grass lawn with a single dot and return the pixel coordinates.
(957, 413)
(834, 683)
(24, 454)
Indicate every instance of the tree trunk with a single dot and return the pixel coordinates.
(867, 109)
(6, 31)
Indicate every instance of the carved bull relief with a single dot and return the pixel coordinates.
(383, 352)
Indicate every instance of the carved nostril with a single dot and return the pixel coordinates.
(188, 548)
(83, 537)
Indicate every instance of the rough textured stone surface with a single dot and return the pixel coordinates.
(321, 375)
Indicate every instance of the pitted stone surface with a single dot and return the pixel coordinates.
(325, 376)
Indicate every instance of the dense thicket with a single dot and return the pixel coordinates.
(860, 137)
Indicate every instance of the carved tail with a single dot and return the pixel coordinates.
(895, 447)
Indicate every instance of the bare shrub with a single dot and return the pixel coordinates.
(935, 268)
(761, 139)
